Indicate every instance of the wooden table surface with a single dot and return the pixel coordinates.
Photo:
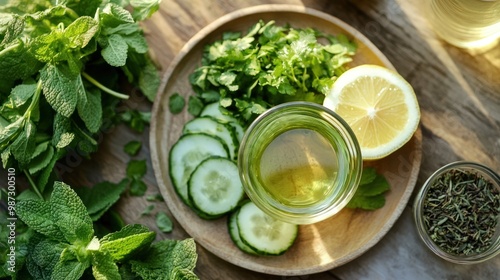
(459, 96)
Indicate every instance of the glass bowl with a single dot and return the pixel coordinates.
(300, 162)
(454, 214)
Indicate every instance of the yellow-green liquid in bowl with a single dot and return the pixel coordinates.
(299, 167)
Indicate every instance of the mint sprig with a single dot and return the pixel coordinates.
(64, 245)
(371, 191)
(59, 69)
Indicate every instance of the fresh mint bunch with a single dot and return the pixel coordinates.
(63, 245)
(60, 67)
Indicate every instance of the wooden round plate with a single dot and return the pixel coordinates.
(320, 246)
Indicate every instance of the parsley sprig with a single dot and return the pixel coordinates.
(268, 65)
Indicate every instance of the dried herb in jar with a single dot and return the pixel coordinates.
(460, 212)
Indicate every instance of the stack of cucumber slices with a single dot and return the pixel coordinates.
(204, 173)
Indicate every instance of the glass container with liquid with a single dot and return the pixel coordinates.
(300, 162)
(473, 24)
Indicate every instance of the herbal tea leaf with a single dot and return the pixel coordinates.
(41, 160)
(70, 214)
(59, 88)
(163, 222)
(81, 31)
(195, 105)
(367, 202)
(136, 169)
(115, 50)
(22, 93)
(176, 103)
(132, 147)
(126, 242)
(36, 214)
(164, 257)
(90, 108)
(143, 9)
(99, 198)
(370, 192)
(63, 136)
(69, 270)
(104, 267)
(24, 145)
(149, 80)
(137, 187)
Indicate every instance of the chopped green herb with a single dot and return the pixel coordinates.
(163, 222)
(176, 103)
(133, 147)
(270, 64)
(148, 210)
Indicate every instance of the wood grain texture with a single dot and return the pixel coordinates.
(459, 96)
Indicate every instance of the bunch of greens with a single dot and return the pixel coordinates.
(60, 68)
(62, 244)
(269, 65)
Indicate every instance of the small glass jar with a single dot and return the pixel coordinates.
(300, 162)
(425, 227)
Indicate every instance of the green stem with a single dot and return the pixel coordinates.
(34, 101)
(2, 52)
(33, 185)
(104, 88)
(84, 134)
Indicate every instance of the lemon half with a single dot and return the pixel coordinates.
(379, 105)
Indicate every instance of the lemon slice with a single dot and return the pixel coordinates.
(379, 105)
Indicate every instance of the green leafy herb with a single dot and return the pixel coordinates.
(101, 197)
(370, 192)
(133, 147)
(163, 222)
(148, 210)
(268, 65)
(136, 169)
(63, 244)
(176, 103)
(59, 69)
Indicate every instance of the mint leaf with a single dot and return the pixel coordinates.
(90, 108)
(132, 147)
(137, 187)
(99, 198)
(41, 157)
(43, 256)
(22, 93)
(370, 192)
(59, 88)
(127, 242)
(136, 169)
(104, 267)
(81, 31)
(115, 50)
(163, 222)
(143, 9)
(176, 103)
(148, 210)
(149, 80)
(69, 270)
(195, 105)
(368, 175)
(70, 215)
(164, 257)
(24, 145)
(37, 215)
(63, 136)
(14, 29)
(367, 202)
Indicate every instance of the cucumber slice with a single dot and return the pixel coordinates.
(215, 187)
(263, 233)
(186, 154)
(235, 234)
(213, 110)
(211, 126)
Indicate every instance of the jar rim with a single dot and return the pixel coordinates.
(270, 121)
